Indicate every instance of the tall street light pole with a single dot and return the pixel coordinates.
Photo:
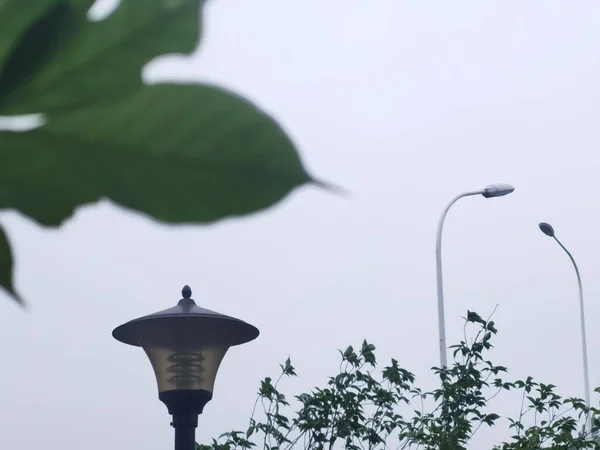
(495, 190)
(549, 231)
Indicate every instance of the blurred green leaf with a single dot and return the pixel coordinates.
(16, 18)
(104, 61)
(6, 266)
(179, 153)
(51, 32)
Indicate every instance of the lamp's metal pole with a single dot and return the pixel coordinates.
(586, 376)
(440, 285)
(185, 405)
(185, 431)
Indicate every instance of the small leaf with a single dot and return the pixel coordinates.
(474, 317)
(6, 267)
(348, 352)
(287, 368)
(491, 418)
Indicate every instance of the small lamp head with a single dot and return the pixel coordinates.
(546, 229)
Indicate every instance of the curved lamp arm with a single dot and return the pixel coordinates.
(440, 286)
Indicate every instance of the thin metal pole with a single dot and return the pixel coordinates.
(440, 285)
(185, 430)
(586, 377)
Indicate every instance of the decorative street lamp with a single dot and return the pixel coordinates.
(185, 345)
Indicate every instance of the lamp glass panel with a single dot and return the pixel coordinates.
(186, 367)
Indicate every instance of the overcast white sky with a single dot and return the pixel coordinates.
(406, 104)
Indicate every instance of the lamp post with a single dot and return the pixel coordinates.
(495, 190)
(185, 345)
(547, 229)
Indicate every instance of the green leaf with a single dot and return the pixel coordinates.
(474, 317)
(6, 267)
(16, 17)
(490, 418)
(103, 63)
(287, 368)
(266, 388)
(348, 352)
(179, 153)
(52, 31)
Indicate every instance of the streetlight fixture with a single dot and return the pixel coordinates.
(494, 190)
(547, 229)
(185, 345)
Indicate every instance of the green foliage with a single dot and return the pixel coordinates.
(362, 408)
(188, 153)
